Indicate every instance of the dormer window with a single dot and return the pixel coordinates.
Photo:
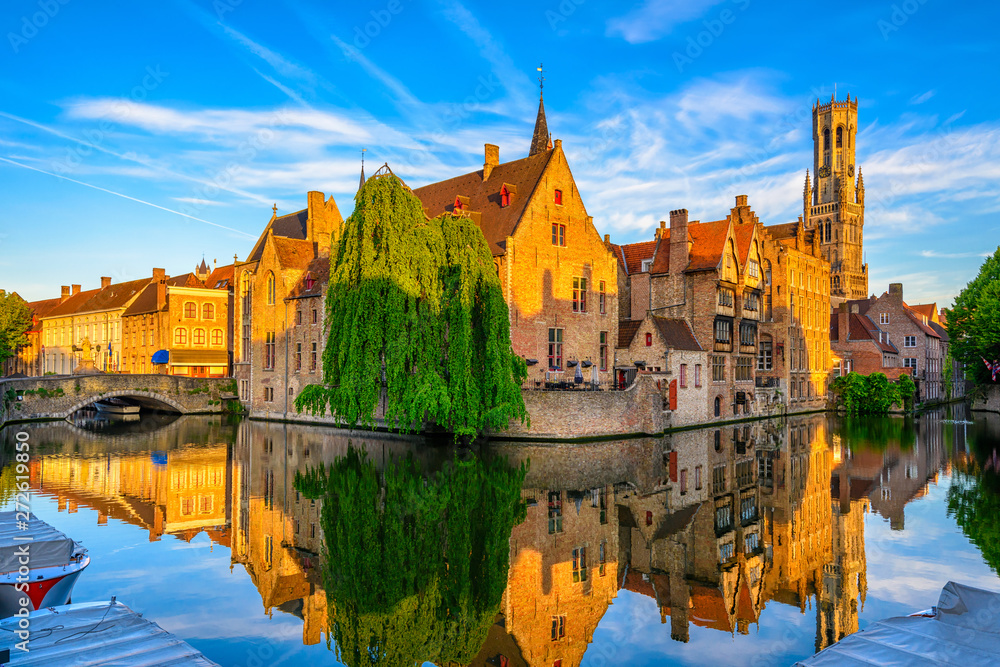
(310, 281)
(647, 264)
(558, 198)
(504, 197)
(458, 204)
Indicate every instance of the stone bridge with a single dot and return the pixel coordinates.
(59, 396)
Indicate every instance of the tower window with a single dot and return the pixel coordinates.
(840, 137)
(558, 197)
(826, 139)
(827, 231)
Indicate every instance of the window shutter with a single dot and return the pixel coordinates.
(673, 394)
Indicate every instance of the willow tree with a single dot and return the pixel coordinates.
(414, 306)
(415, 564)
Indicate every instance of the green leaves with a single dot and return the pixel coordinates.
(15, 320)
(974, 320)
(872, 394)
(415, 305)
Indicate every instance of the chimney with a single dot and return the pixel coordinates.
(314, 212)
(854, 308)
(679, 250)
(492, 160)
(843, 322)
(160, 278)
(105, 282)
(64, 293)
(896, 289)
(607, 239)
(741, 200)
(662, 228)
(76, 290)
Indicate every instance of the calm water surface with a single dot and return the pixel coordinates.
(277, 544)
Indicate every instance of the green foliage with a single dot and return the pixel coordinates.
(974, 321)
(976, 508)
(15, 320)
(415, 565)
(877, 433)
(872, 394)
(42, 392)
(8, 483)
(415, 305)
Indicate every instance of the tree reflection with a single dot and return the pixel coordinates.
(415, 565)
(974, 495)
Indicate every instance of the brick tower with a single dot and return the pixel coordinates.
(836, 205)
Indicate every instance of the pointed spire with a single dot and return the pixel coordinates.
(362, 184)
(274, 210)
(540, 139)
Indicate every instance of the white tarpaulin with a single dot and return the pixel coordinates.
(97, 633)
(46, 548)
(963, 630)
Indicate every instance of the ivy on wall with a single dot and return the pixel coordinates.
(415, 565)
(872, 394)
(415, 305)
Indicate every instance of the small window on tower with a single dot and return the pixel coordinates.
(558, 197)
(826, 139)
(649, 340)
(840, 137)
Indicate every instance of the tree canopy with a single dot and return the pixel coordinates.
(872, 394)
(15, 320)
(415, 306)
(974, 320)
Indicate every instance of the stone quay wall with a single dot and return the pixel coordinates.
(989, 401)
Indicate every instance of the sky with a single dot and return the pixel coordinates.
(141, 135)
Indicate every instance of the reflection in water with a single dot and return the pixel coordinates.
(400, 552)
(415, 564)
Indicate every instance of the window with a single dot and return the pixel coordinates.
(718, 405)
(558, 198)
(649, 340)
(579, 564)
(268, 394)
(217, 337)
(723, 517)
(750, 543)
(744, 369)
(910, 362)
(504, 197)
(718, 369)
(298, 356)
(315, 319)
(270, 289)
(198, 337)
(697, 375)
(602, 298)
(312, 359)
(751, 301)
(827, 231)
(840, 137)
(558, 234)
(190, 310)
(748, 334)
(603, 350)
(726, 297)
(269, 350)
(883, 318)
(909, 341)
(723, 333)
(208, 312)
(764, 356)
(697, 478)
(826, 139)
(684, 375)
(558, 627)
(298, 317)
(684, 481)
(555, 512)
(647, 264)
(180, 336)
(555, 349)
(726, 552)
(579, 295)
(748, 508)
(603, 556)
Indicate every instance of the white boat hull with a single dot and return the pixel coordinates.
(46, 587)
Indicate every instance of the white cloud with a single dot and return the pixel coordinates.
(920, 99)
(656, 18)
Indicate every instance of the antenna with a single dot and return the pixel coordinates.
(541, 79)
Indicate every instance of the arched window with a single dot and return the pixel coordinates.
(217, 337)
(718, 406)
(828, 237)
(718, 439)
(270, 289)
(208, 312)
(504, 197)
(198, 338)
(190, 310)
(826, 139)
(180, 336)
(840, 137)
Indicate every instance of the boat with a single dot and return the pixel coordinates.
(116, 406)
(94, 633)
(52, 560)
(960, 630)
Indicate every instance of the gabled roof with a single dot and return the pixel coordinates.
(626, 331)
(221, 277)
(72, 304)
(861, 327)
(939, 330)
(40, 309)
(291, 226)
(744, 235)
(708, 244)
(115, 295)
(782, 231)
(661, 258)
(918, 319)
(520, 176)
(616, 250)
(293, 253)
(928, 310)
(635, 253)
(319, 271)
(676, 334)
(146, 301)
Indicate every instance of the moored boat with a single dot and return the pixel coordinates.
(116, 406)
(37, 563)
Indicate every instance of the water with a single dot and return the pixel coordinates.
(756, 544)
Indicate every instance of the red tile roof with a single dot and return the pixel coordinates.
(146, 301)
(293, 253)
(661, 258)
(708, 243)
(626, 331)
(319, 271)
(861, 327)
(744, 235)
(918, 319)
(709, 609)
(636, 253)
(616, 250)
(219, 275)
(72, 304)
(676, 334)
(40, 309)
(497, 222)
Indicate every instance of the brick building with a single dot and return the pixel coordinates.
(859, 346)
(307, 332)
(559, 278)
(265, 312)
(28, 359)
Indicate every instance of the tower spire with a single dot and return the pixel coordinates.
(362, 183)
(540, 139)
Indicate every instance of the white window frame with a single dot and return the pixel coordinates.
(883, 318)
(909, 341)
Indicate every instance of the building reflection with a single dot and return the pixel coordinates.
(712, 525)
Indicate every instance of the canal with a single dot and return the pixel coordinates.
(756, 544)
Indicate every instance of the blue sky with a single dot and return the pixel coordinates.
(141, 135)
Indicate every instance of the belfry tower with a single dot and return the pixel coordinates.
(835, 204)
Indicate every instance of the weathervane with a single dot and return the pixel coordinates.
(541, 79)
(363, 158)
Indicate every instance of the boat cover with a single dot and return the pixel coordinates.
(97, 633)
(46, 548)
(964, 629)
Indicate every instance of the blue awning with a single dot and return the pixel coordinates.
(161, 357)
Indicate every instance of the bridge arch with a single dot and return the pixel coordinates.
(148, 399)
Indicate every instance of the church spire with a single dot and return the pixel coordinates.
(807, 195)
(540, 139)
(362, 183)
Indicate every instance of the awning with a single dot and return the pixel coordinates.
(161, 357)
(199, 358)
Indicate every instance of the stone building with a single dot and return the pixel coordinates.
(189, 317)
(307, 332)
(835, 205)
(264, 317)
(858, 345)
(28, 359)
(88, 320)
(559, 278)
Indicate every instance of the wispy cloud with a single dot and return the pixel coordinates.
(920, 99)
(656, 18)
(953, 255)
